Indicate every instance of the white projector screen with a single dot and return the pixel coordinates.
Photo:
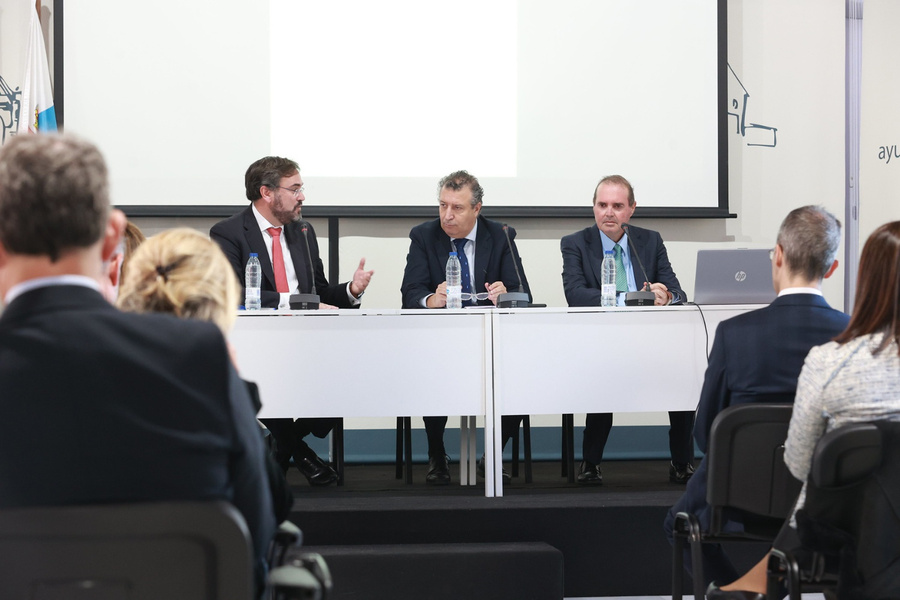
(378, 100)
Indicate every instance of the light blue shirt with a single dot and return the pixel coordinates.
(608, 246)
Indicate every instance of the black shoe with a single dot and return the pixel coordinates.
(713, 592)
(438, 470)
(316, 471)
(680, 474)
(590, 474)
(480, 470)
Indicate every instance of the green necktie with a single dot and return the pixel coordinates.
(621, 277)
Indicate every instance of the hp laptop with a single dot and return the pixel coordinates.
(739, 276)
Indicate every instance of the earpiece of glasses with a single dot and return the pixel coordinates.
(479, 296)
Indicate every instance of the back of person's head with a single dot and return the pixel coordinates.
(877, 305)
(54, 195)
(809, 237)
(131, 239)
(182, 272)
(458, 180)
(268, 172)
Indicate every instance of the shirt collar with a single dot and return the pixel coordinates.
(799, 290)
(33, 284)
(262, 222)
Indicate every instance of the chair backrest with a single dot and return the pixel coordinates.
(745, 463)
(180, 550)
(846, 455)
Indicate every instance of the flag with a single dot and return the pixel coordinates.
(36, 112)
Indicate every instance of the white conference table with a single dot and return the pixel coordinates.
(371, 363)
(483, 362)
(589, 360)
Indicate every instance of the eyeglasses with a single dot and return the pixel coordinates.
(479, 296)
(295, 191)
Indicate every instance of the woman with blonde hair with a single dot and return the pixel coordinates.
(184, 273)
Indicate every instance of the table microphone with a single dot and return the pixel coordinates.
(644, 297)
(518, 299)
(309, 301)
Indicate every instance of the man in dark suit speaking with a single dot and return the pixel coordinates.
(271, 227)
(483, 251)
(582, 254)
(757, 356)
(101, 406)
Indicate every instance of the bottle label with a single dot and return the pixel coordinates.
(608, 289)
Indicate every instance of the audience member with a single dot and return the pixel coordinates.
(757, 356)
(487, 264)
(182, 272)
(271, 227)
(101, 406)
(582, 254)
(854, 378)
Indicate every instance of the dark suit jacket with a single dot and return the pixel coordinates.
(101, 406)
(239, 235)
(430, 247)
(582, 254)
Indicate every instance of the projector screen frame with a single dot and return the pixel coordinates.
(381, 211)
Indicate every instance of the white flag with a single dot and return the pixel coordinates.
(37, 112)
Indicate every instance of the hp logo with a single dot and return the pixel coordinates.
(740, 276)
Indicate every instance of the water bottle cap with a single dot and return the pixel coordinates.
(608, 252)
(453, 254)
(252, 254)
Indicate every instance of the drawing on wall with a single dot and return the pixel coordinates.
(10, 103)
(739, 98)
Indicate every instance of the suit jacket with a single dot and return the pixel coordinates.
(101, 406)
(239, 235)
(429, 248)
(582, 254)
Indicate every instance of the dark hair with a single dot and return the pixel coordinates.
(460, 179)
(877, 288)
(54, 195)
(268, 172)
(615, 180)
(810, 236)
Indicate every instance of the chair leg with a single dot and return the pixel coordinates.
(515, 453)
(407, 426)
(526, 433)
(398, 473)
(337, 447)
(568, 443)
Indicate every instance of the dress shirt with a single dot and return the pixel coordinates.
(608, 246)
(470, 256)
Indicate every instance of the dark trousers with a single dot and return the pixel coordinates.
(289, 435)
(681, 436)
(434, 429)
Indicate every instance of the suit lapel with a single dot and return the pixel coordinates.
(257, 243)
(484, 245)
(595, 253)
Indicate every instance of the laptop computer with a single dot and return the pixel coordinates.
(736, 276)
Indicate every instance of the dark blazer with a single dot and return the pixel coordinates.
(582, 254)
(429, 248)
(239, 235)
(755, 357)
(101, 406)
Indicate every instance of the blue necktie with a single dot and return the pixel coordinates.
(464, 267)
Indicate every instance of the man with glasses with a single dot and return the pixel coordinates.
(271, 227)
(488, 269)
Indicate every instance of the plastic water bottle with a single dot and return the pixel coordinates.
(252, 279)
(608, 285)
(454, 282)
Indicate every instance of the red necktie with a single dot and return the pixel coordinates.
(281, 284)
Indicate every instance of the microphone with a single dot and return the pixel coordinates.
(644, 297)
(518, 299)
(309, 301)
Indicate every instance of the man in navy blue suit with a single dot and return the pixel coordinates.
(582, 254)
(757, 356)
(483, 248)
(272, 228)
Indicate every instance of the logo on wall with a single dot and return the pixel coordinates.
(754, 133)
(10, 104)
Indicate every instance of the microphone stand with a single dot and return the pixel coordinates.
(517, 299)
(300, 301)
(643, 297)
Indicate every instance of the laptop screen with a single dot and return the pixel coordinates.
(737, 276)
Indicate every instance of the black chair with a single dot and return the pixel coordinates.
(850, 518)
(745, 473)
(183, 550)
